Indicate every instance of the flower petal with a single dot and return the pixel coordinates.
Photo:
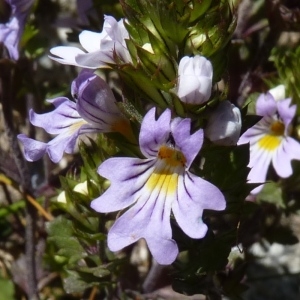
(95, 60)
(65, 115)
(66, 55)
(90, 40)
(96, 102)
(286, 112)
(282, 162)
(289, 150)
(260, 162)
(266, 105)
(188, 144)
(153, 132)
(127, 176)
(149, 218)
(193, 196)
(33, 150)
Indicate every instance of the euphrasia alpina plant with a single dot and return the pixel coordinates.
(171, 159)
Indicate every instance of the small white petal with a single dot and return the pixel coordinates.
(66, 55)
(90, 41)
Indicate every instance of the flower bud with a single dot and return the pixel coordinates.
(194, 79)
(224, 124)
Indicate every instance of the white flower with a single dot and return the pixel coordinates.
(101, 48)
(224, 124)
(194, 79)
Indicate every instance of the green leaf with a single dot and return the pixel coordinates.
(61, 233)
(77, 283)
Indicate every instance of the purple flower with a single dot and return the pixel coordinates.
(270, 141)
(155, 186)
(101, 47)
(194, 79)
(11, 31)
(94, 111)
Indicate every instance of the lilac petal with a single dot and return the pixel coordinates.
(251, 135)
(127, 176)
(33, 150)
(90, 40)
(10, 36)
(188, 144)
(266, 105)
(154, 133)
(95, 60)
(96, 102)
(282, 162)
(260, 162)
(81, 79)
(289, 150)
(149, 218)
(115, 29)
(292, 147)
(286, 112)
(195, 195)
(64, 142)
(65, 115)
(66, 55)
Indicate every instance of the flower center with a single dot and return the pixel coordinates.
(170, 164)
(171, 156)
(272, 141)
(277, 128)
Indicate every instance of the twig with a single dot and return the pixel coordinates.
(93, 293)
(39, 208)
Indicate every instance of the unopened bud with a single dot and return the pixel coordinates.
(224, 125)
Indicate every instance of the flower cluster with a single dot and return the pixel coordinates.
(165, 181)
(153, 188)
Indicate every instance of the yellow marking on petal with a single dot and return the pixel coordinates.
(164, 182)
(74, 127)
(270, 142)
(170, 163)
